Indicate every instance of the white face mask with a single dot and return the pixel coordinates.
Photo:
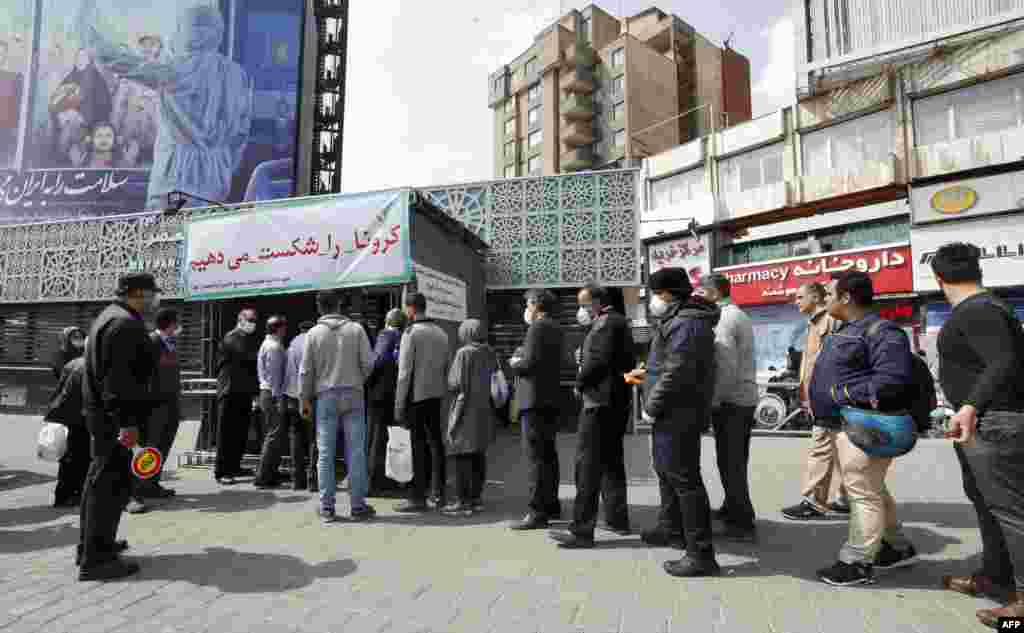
(527, 316)
(247, 326)
(658, 306)
(584, 316)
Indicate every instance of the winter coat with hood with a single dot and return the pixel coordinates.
(680, 378)
(472, 419)
(65, 350)
(336, 354)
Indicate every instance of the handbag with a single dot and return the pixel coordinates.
(879, 434)
(52, 443)
(499, 389)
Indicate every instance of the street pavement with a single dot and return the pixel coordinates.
(242, 559)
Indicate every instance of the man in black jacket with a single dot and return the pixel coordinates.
(538, 396)
(116, 396)
(981, 355)
(237, 387)
(600, 463)
(679, 383)
(380, 395)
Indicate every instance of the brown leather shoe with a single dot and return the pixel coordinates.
(973, 585)
(1015, 609)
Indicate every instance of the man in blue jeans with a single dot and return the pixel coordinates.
(336, 362)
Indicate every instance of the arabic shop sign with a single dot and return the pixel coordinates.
(682, 252)
(1001, 241)
(446, 295)
(778, 281)
(83, 188)
(298, 245)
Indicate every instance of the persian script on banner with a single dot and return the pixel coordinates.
(299, 245)
(688, 253)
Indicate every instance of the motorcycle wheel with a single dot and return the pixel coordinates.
(770, 411)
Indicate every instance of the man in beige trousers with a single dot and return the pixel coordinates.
(822, 459)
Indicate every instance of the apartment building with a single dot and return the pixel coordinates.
(595, 91)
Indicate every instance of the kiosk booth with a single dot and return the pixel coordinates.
(274, 257)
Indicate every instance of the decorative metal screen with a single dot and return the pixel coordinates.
(552, 231)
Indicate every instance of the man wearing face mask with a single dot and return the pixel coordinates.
(539, 399)
(679, 383)
(600, 464)
(162, 426)
(117, 401)
(237, 386)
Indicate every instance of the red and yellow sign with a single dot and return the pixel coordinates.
(146, 462)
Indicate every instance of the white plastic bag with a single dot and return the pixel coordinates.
(500, 390)
(53, 442)
(398, 465)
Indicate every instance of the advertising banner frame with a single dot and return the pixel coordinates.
(967, 199)
(1001, 239)
(381, 217)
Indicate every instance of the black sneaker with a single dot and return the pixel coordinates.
(458, 509)
(839, 508)
(890, 558)
(112, 570)
(847, 575)
(327, 515)
(692, 567)
(364, 514)
(804, 511)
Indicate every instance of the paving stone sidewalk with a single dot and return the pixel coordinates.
(242, 559)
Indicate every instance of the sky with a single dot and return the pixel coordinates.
(416, 109)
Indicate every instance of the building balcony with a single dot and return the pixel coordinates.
(741, 204)
(578, 108)
(578, 133)
(870, 175)
(580, 54)
(577, 160)
(969, 153)
(579, 80)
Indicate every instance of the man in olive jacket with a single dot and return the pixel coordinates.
(539, 397)
(600, 463)
(117, 400)
(679, 385)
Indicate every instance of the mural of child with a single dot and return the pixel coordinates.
(101, 150)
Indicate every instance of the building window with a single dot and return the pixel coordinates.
(510, 127)
(752, 170)
(510, 106)
(534, 165)
(534, 93)
(848, 147)
(531, 66)
(510, 150)
(510, 171)
(618, 110)
(535, 138)
(619, 138)
(585, 29)
(618, 57)
(533, 116)
(678, 188)
(973, 111)
(618, 86)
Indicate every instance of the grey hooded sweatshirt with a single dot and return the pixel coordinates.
(336, 355)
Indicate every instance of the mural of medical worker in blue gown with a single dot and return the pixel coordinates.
(205, 104)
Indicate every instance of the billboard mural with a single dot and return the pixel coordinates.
(15, 53)
(130, 100)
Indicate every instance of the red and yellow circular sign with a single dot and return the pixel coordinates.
(147, 462)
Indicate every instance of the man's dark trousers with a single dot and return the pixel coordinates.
(275, 439)
(381, 416)
(234, 416)
(540, 432)
(108, 486)
(600, 469)
(993, 474)
(685, 507)
(428, 452)
(732, 426)
(298, 431)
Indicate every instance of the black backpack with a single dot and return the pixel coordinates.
(926, 399)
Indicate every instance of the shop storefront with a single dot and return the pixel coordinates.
(1001, 240)
(767, 291)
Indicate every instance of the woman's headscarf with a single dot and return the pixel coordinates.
(396, 319)
(65, 350)
(472, 331)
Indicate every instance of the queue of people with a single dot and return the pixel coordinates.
(699, 373)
